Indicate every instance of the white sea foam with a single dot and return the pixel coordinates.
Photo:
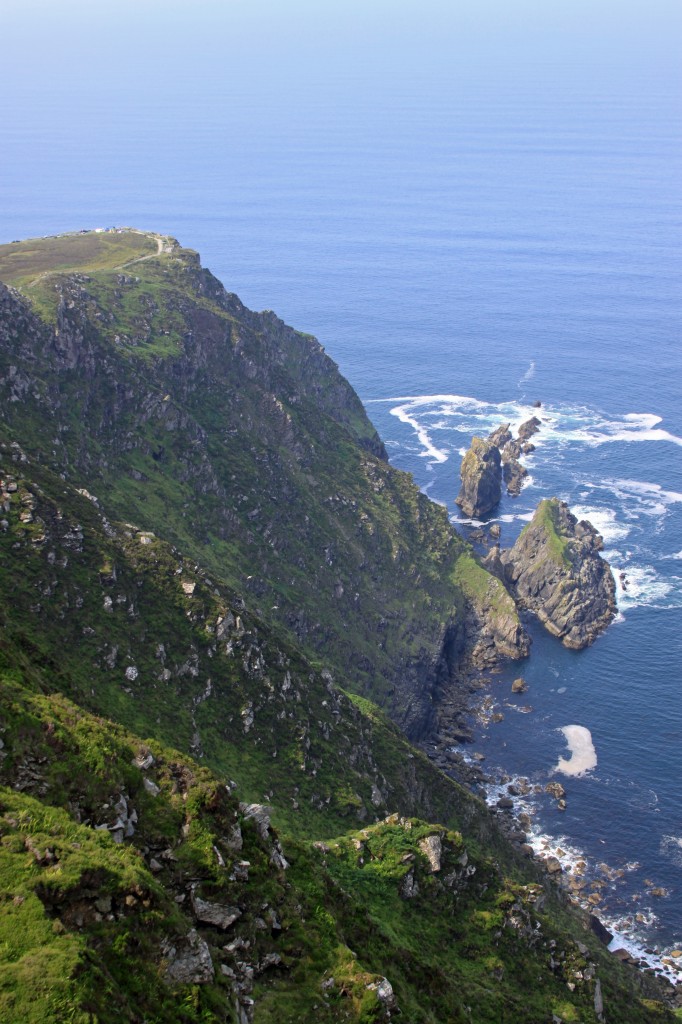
(569, 424)
(629, 427)
(583, 755)
(644, 586)
(671, 848)
(604, 521)
(511, 518)
(560, 424)
(649, 490)
(530, 372)
(430, 450)
(467, 522)
(639, 497)
(459, 413)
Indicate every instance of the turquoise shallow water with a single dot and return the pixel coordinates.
(464, 240)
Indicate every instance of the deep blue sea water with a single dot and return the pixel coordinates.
(464, 240)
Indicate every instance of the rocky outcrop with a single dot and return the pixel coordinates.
(501, 436)
(555, 570)
(513, 471)
(481, 478)
(511, 450)
(491, 460)
(527, 429)
(189, 962)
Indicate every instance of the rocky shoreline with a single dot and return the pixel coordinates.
(508, 801)
(556, 573)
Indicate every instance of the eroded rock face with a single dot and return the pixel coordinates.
(555, 570)
(501, 436)
(432, 848)
(513, 471)
(189, 963)
(511, 450)
(481, 474)
(215, 914)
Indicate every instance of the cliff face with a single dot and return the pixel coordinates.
(556, 571)
(236, 438)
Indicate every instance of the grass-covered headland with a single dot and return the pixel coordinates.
(222, 613)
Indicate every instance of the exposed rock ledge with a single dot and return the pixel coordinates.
(554, 569)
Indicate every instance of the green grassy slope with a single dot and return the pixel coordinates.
(199, 909)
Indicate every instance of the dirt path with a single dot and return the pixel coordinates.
(141, 259)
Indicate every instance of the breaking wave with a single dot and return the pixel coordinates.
(562, 425)
(626, 511)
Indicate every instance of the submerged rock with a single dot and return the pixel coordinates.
(554, 569)
(481, 478)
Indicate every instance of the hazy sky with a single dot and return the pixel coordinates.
(208, 95)
(110, 33)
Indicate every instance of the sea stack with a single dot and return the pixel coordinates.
(555, 570)
(481, 474)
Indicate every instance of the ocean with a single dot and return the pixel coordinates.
(465, 240)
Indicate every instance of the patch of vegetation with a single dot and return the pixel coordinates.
(546, 518)
(481, 588)
(23, 262)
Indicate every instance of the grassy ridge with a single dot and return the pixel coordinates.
(22, 262)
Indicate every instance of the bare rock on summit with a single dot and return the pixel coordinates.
(481, 474)
(555, 570)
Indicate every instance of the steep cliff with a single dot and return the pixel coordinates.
(305, 865)
(556, 571)
(236, 438)
(202, 544)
